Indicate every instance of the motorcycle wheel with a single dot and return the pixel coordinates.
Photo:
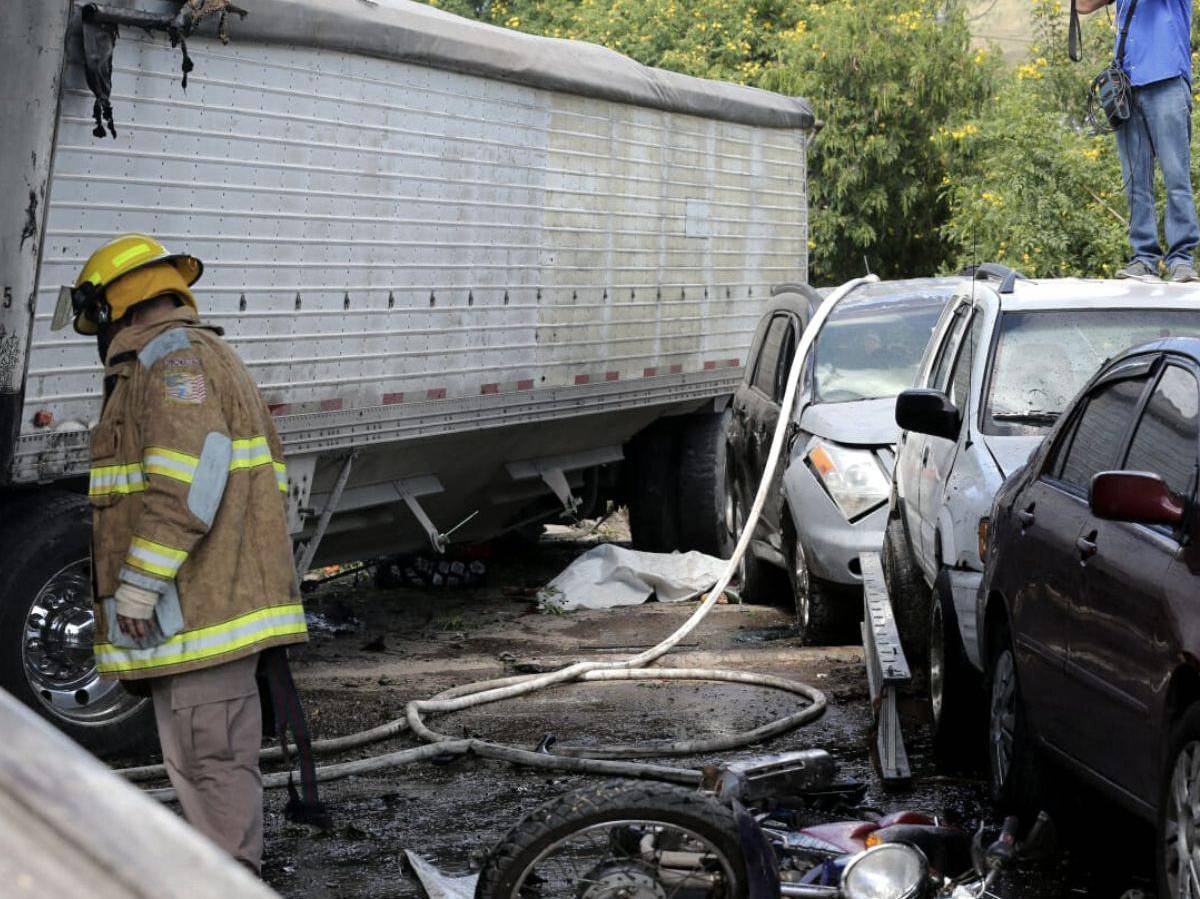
(620, 840)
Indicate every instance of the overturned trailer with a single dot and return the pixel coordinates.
(478, 275)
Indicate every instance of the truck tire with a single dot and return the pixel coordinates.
(702, 484)
(46, 624)
(654, 488)
(512, 861)
(908, 593)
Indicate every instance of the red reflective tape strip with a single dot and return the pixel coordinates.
(392, 398)
(612, 376)
(279, 408)
(676, 368)
(649, 372)
(526, 384)
(437, 393)
(489, 388)
(583, 379)
(331, 405)
(733, 363)
(710, 365)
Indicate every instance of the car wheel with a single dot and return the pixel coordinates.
(1012, 761)
(821, 611)
(46, 626)
(955, 702)
(1179, 812)
(753, 580)
(909, 594)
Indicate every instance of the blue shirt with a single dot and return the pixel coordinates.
(1158, 45)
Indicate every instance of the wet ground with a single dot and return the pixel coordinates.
(394, 645)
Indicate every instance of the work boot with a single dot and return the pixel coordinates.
(1183, 273)
(1139, 271)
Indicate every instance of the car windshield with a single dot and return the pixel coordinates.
(1043, 359)
(871, 345)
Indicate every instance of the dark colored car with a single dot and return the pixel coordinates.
(1091, 602)
(833, 482)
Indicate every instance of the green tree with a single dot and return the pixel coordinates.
(885, 76)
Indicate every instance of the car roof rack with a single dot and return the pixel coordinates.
(994, 271)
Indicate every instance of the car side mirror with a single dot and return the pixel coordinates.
(1135, 496)
(928, 412)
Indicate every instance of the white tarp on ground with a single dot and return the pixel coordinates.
(609, 576)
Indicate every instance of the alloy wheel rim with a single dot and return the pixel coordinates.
(1182, 833)
(937, 665)
(1002, 720)
(803, 586)
(57, 655)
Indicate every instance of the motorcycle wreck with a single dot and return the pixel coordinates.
(743, 835)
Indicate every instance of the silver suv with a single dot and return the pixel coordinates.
(1007, 356)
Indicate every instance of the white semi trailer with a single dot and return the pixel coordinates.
(475, 273)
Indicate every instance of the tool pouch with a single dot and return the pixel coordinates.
(1112, 92)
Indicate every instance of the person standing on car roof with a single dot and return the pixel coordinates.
(191, 558)
(1158, 60)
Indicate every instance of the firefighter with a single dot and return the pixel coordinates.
(191, 558)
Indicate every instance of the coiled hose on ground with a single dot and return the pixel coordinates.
(604, 760)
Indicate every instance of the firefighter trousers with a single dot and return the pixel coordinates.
(210, 727)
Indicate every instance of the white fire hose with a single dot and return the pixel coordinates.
(587, 759)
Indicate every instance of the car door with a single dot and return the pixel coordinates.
(759, 416)
(1119, 653)
(940, 454)
(933, 452)
(1051, 511)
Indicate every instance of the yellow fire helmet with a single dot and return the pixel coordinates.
(104, 290)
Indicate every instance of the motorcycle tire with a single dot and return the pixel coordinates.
(512, 860)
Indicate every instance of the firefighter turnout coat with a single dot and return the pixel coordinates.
(188, 491)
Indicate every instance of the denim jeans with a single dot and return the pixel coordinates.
(1160, 127)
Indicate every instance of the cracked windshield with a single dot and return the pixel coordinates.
(868, 349)
(1044, 358)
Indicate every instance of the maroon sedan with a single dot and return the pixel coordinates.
(1091, 603)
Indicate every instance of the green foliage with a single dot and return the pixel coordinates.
(885, 76)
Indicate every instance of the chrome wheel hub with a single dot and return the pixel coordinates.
(1181, 854)
(621, 880)
(1003, 717)
(56, 650)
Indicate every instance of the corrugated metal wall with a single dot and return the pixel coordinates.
(381, 233)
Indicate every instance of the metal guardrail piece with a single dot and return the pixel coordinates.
(887, 670)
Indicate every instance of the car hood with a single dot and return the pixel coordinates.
(1011, 453)
(862, 423)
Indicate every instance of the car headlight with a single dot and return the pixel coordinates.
(854, 478)
(890, 871)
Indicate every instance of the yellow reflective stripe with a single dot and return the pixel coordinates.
(104, 480)
(171, 464)
(139, 249)
(250, 453)
(206, 642)
(280, 475)
(156, 558)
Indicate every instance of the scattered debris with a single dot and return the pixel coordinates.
(438, 885)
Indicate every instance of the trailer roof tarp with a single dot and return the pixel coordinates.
(416, 33)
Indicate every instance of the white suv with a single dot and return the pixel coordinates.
(1007, 356)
